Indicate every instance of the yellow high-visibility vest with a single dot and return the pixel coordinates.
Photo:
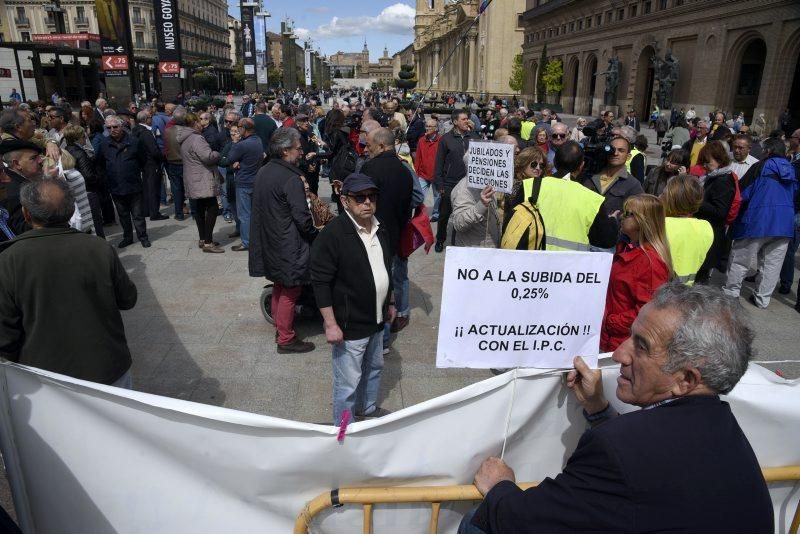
(525, 131)
(568, 210)
(634, 152)
(689, 241)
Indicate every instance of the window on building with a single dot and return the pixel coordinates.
(589, 22)
(609, 17)
(646, 8)
(678, 3)
(599, 20)
(572, 26)
(26, 37)
(20, 13)
(662, 4)
(81, 13)
(580, 24)
(633, 11)
(137, 14)
(139, 38)
(620, 14)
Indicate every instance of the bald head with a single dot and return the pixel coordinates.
(379, 141)
(47, 203)
(370, 125)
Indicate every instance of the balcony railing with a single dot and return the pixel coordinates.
(22, 21)
(81, 21)
(138, 20)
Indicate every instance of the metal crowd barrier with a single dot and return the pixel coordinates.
(436, 495)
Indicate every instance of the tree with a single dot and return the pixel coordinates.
(238, 73)
(408, 78)
(274, 76)
(381, 85)
(517, 79)
(337, 73)
(553, 76)
(540, 88)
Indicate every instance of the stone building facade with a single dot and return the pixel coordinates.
(350, 64)
(482, 62)
(382, 70)
(735, 55)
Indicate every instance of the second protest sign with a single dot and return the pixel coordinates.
(490, 164)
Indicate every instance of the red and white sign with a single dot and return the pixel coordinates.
(115, 62)
(48, 37)
(169, 67)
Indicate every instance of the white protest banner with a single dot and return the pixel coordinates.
(490, 164)
(88, 458)
(513, 308)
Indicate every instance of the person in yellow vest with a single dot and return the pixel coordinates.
(636, 165)
(527, 125)
(574, 217)
(689, 238)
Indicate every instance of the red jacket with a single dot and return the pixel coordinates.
(426, 156)
(636, 273)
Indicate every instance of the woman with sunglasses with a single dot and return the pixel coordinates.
(676, 162)
(530, 163)
(642, 263)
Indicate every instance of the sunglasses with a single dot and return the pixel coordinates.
(360, 198)
(540, 165)
(559, 136)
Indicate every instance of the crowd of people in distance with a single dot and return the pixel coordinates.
(720, 199)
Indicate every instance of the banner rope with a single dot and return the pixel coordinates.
(510, 407)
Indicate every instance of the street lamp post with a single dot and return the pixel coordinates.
(265, 15)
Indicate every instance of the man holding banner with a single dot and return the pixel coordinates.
(680, 464)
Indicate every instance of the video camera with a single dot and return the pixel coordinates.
(353, 120)
(596, 149)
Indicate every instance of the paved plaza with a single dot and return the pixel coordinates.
(197, 333)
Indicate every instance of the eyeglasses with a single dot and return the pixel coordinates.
(559, 136)
(540, 165)
(618, 149)
(362, 197)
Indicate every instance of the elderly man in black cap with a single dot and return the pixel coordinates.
(22, 163)
(350, 272)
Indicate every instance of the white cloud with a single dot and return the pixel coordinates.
(303, 34)
(396, 19)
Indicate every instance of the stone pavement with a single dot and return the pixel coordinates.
(197, 333)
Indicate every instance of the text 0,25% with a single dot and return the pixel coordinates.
(526, 293)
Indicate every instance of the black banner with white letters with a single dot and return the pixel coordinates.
(168, 37)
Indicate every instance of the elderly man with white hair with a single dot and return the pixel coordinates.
(119, 158)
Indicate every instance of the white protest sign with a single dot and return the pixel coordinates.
(490, 164)
(512, 308)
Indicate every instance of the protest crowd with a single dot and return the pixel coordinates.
(721, 207)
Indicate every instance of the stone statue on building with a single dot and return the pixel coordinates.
(666, 72)
(612, 81)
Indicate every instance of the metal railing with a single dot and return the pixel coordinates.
(436, 495)
(23, 21)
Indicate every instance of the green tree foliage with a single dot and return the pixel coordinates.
(554, 76)
(238, 73)
(407, 78)
(337, 73)
(517, 79)
(540, 88)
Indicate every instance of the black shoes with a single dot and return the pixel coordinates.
(180, 217)
(124, 243)
(146, 243)
(238, 248)
(296, 346)
(438, 247)
(159, 217)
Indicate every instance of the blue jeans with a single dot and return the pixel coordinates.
(125, 381)
(437, 196)
(787, 271)
(175, 173)
(223, 192)
(244, 203)
(466, 527)
(400, 282)
(357, 366)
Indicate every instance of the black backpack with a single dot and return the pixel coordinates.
(344, 163)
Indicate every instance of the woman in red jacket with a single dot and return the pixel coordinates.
(641, 264)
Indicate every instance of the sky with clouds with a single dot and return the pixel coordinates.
(335, 25)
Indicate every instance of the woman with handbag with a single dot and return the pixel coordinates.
(201, 180)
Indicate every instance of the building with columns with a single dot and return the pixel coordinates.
(482, 62)
(735, 55)
(382, 70)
